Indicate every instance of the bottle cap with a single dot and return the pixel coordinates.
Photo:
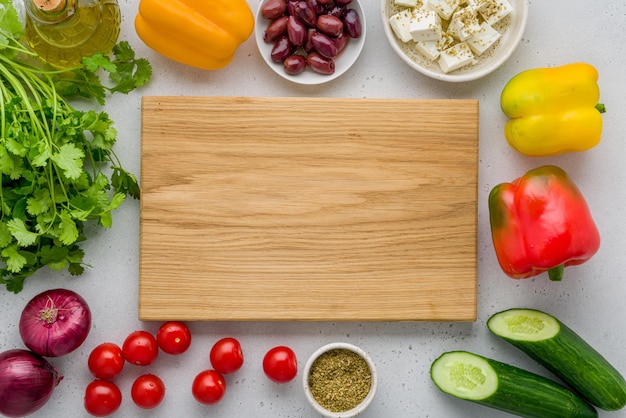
(50, 6)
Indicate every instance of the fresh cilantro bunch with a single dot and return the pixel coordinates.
(57, 164)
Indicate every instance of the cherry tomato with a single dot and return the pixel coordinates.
(280, 364)
(140, 348)
(102, 398)
(208, 387)
(147, 391)
(226, 355)
(106, 361)
(173, 337)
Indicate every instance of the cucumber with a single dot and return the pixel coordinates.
(559, 349)
(501, 386)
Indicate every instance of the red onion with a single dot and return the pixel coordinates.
(55, 322)
(27, 381)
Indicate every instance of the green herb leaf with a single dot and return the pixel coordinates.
(7, 165)
(18, 229)
(54, 257)
(125, 182)
(5, 235)
(75, 258)
(10, 23)
(70, 159)
(12, 257)
(68, 232)
(97, 61)
(15, 282)
(130, 72)
(40, 202)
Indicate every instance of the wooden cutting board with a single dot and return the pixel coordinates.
(308, 209)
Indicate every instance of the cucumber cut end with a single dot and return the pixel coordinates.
(524, 325)
(464, 375)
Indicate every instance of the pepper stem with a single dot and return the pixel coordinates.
(600, 107)
(556, 273)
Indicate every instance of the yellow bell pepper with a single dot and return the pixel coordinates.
(553, 110)
(200, 33)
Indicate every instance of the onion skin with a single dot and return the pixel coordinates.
(27, 381)
(55, 322)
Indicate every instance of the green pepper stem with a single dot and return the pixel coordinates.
(601, 108)
(556, 273)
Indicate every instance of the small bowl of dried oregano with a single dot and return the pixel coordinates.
(340, 380)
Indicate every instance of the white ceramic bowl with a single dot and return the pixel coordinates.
(511, 30)
(342, 63)
(359, 408)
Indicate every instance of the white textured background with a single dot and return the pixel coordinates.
(590, 299)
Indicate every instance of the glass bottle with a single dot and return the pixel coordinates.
(62, 32)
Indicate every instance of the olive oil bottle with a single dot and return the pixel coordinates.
(62, 32)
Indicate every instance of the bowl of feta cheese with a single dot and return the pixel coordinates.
(454, 40)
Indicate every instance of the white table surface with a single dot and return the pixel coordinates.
(590, 299)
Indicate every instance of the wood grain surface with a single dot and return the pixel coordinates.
(313, 209)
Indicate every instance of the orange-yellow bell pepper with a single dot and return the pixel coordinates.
(200, 33)
(553, 110)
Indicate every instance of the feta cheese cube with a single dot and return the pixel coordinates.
(444, 8)
(425, 27)
(464, 24)
(455, 57)
(483, 39)
(494, 11)
(406, 3)
(430, 49)
(422, 7)
(400, 24)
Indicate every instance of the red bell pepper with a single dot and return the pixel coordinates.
(541, 222)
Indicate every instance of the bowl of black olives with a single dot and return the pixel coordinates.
(310, 41)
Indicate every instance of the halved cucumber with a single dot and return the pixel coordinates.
(555, 346)
(504, 387)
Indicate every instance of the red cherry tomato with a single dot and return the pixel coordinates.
(102, 398)
(106, 361)
(147, 391)
(208, 387)
(140, 348)
(173, 337)
(226, 356)
(280, 364)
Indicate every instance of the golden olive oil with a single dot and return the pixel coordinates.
(69, 30)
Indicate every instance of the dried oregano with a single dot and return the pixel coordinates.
(340, 379)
